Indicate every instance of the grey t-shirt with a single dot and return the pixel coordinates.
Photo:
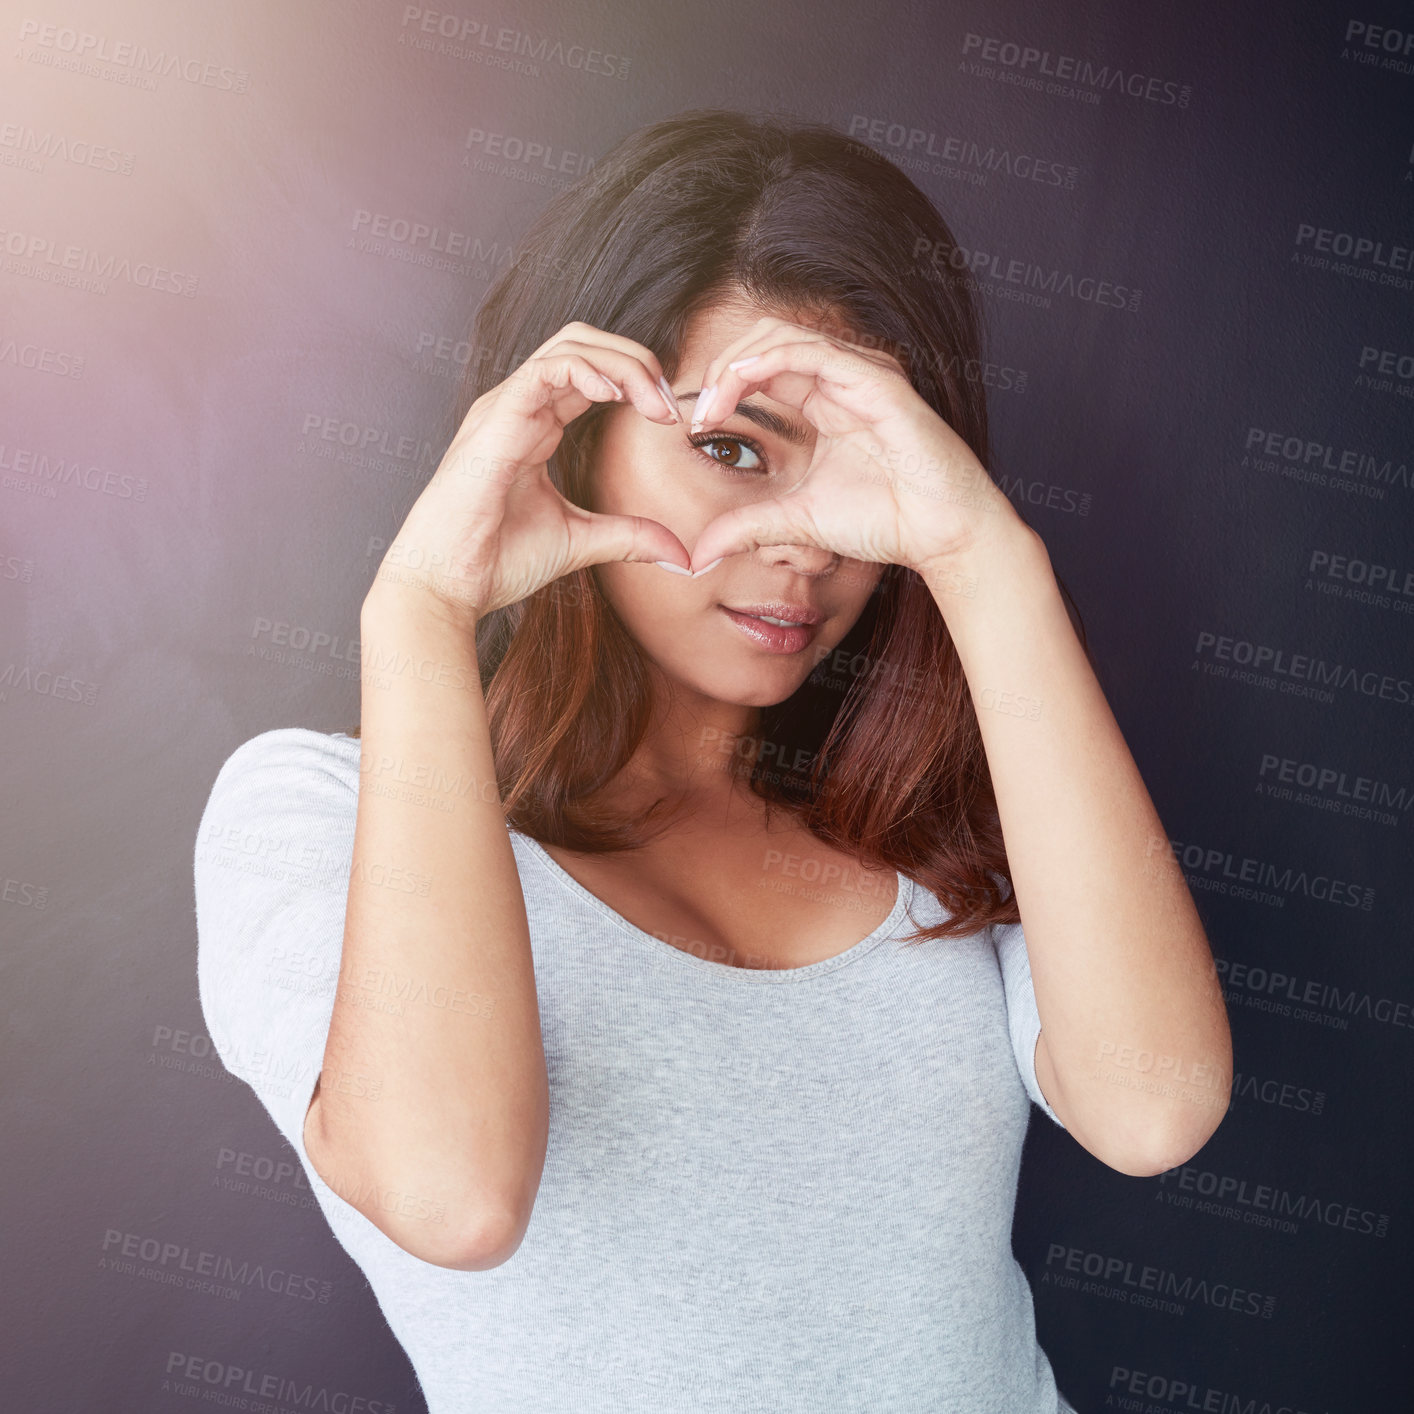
(777, 1190)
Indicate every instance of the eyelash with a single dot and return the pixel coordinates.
(702, 439)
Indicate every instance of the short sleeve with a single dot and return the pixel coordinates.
(1023, 1020)
(271, 873)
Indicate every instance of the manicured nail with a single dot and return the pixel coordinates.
(742, 362)
(712, 566)
(668, 398)
(702, 407)
(669, 565)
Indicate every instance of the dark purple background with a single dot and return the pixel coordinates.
(165, 503)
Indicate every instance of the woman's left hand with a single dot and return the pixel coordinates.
(889, 481)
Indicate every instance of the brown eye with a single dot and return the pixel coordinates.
(735, 449)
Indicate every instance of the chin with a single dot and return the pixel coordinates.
(717, 667)
(741, 685)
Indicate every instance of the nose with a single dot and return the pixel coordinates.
(805, 559)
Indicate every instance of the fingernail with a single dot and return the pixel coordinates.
(712, 566)
(702, 407)
(668, 398)
(742, 362)
(669, 565)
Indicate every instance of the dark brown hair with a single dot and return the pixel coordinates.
(879, 751)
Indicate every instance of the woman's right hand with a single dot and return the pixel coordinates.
(490, 528)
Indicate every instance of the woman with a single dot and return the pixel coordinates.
(649, 994)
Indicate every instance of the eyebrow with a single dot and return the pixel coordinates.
(786, 428)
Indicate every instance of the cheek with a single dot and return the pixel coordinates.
(649, 475)
(656, 607)
(856, 593)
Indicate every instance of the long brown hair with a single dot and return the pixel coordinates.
(879, 752)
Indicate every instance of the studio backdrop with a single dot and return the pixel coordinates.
(241, 246)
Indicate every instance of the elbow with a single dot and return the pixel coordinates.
(483, 1236)
(1170, 1148)
(469, 1234)
(489, 1240)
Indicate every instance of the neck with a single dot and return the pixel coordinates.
(696, 753)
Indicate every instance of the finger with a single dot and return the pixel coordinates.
(873, 352)
(630, 373)
(536, 382)
(598, 539)
(777, 521)
(522, 419)
(770, 330)
(761, 334)
(724, 385)
(578, 332)
(793, 370)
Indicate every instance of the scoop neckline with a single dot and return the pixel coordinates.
(743, 976)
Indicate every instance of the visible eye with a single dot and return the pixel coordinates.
(737, 444)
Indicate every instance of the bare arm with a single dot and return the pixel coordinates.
(440, 1138)
(436, 1003)
(1135, 1054)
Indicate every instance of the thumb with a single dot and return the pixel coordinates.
(604, 538)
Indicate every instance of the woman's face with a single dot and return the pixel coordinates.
(683, 624)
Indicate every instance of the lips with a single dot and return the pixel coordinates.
(790, 613)
(793, 633)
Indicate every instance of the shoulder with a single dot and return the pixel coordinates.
(280, 799)
(270, 868)
(290, 761)
(275, 836)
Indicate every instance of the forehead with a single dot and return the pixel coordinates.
(711, 329)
